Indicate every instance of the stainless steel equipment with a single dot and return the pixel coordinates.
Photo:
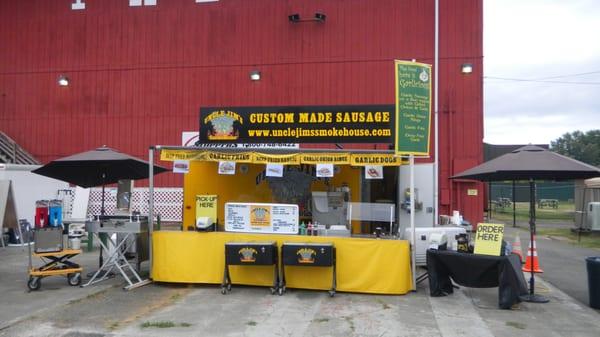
(138, 244)
(48, 239)
(126, 240)
(330, 208)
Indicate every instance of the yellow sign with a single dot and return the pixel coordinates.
(413, 107)
(375, 159)
(325, 158)
(172, 155)
(489, 239)
(242, 157)
(472, 191)
(382, 159)
(260, 216)
(283, 159)
(206, 206)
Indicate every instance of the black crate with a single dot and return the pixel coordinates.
(307, 254)
(251, 253)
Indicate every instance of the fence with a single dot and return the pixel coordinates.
(168, 202)
(563, 191)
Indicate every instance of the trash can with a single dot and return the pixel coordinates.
(593, 270)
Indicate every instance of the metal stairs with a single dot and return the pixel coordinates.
(13, 153)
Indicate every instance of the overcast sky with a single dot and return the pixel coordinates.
(544, 40)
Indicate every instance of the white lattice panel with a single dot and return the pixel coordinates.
(67, 195)
(168, 202)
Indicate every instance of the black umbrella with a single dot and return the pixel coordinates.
(97, 167)
(530, 163)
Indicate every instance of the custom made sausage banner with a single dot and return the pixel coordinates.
(298, 124)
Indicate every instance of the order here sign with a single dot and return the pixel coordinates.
(489, 239)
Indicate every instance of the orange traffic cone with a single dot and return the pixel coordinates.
(532, 259)
(516, 248)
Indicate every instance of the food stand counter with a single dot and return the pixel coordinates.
(364, 265)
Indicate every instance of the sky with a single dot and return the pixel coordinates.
(541, 40)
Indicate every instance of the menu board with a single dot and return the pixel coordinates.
(261, 218)
(413, 107)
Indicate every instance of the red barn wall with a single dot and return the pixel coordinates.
(139, 75)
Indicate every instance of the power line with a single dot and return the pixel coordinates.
(570, 75)
(539, 81)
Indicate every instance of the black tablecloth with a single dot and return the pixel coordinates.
(476, 271)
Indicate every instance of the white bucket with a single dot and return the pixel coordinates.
(75, 243)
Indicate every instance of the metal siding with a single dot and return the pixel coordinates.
(461, 101)
(140, 74)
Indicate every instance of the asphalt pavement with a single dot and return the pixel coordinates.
(160, 309)
(563, 263)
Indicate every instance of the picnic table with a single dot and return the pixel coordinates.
(504, 202)
(553, 203)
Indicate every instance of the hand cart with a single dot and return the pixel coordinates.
(57, 263)
(307, 255)
(250, 254)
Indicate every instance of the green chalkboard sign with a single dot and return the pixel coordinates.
(413, 107)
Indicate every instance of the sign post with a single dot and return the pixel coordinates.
(413, 116)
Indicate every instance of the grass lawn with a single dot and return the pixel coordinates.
(564, 211)
(587, 240)
(563, 214)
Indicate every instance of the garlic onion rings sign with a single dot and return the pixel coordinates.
(298, 124)
(261, 218)
(413, 107)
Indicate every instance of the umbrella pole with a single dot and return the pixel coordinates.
(489, 200)
(514, 199)
(101, 258)
(102, 202)
(532, 297)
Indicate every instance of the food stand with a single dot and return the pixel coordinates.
(364, 264)
(243, 192)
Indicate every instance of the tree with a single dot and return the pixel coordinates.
(584, 147)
